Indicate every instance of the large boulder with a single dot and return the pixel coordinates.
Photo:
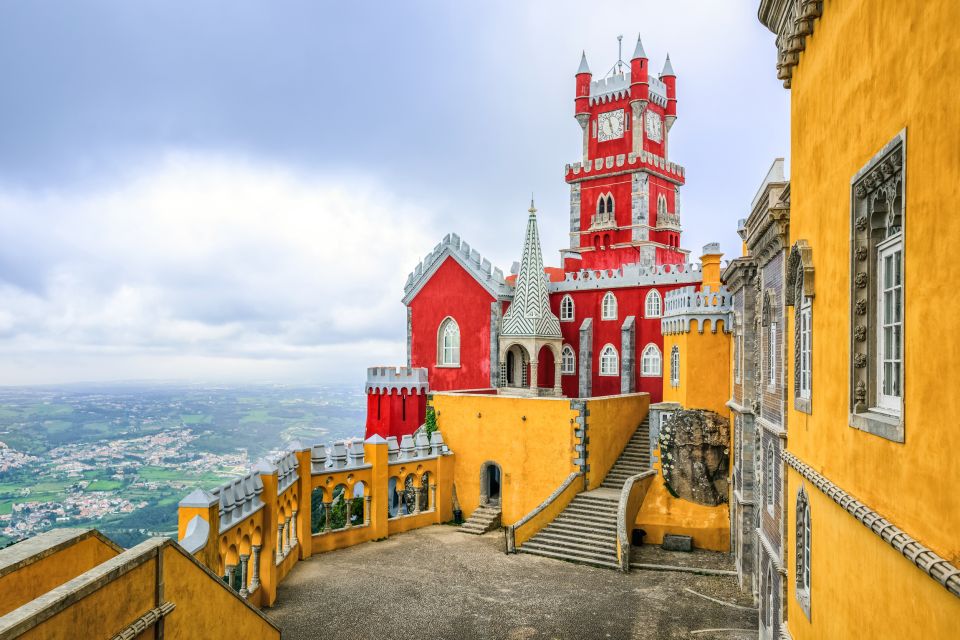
(695, 456)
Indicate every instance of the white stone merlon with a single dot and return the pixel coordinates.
(644, 160)
(490, 278)
(238, 498)
(686, 305)
(386, 379)
(629, 275)
(198, 498)
(196, 535)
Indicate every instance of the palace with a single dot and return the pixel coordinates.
(785, 406)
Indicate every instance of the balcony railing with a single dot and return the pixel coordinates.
(600, 221)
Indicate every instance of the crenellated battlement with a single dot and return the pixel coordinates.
(686, 304)
(617, 87)
(626, 162)
(487, 275)
(397, 379)
(629, 275)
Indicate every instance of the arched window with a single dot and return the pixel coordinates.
(566, 308)
(605, 203)
(770, 489)
(675, 366)
(804, 530)
(568, 360)
(609, 306)
(448, 343)
(661, 205)
(768, 601)
(654, 304)
(609, 361)
(651, 362)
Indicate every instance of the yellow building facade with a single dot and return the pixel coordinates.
(871, 545)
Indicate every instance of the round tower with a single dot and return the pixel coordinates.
(396, 400)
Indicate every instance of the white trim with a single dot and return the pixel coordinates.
(653, 295)
(659, 362)
(608, 312)
(448, 355)
(564, 317)
(572, 369)
(615, 371)
(806, 349)
(675, 366)
(890, 249)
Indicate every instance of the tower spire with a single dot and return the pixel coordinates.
(667, 68)
(584, 67)
(638, 52)
(529, 315)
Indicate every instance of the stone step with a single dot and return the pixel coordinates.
(562, 529)
(595, 500)
(560, 537)
(573, 546)
(598, 527)
(596, 561)
(591, 512)
(588, 517)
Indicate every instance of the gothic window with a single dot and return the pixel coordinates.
(805, 361)
(609, 306)
(661, 206)
(605, 204)
(448, 344)
(650, 362)
(675, 366)
(566, 308)
(803, 551)
(568, 360)
(877, 294)
(654, 304)
(737, 349)
(769, 480)
(609, 361)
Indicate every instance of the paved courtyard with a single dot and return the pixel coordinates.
(440, 583)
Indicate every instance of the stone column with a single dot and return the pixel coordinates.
(279, 541)
(349, 511)
(534, 365)
(293, 529)
(557, 390)
(244, 559)
(255, 579)
(433, 497)
(286, 537)
(326, 510)
(230, 569)
(366, 510)
(416, 498)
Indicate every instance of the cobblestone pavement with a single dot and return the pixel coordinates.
(439, 583)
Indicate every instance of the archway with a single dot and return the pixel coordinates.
(490, 483)
(518, 366)
(546, 368)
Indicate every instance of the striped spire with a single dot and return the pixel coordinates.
(529, 314)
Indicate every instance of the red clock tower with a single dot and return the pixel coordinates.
(625, 193)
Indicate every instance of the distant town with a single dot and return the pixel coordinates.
(120, 458)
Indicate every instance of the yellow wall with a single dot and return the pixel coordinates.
(870, 70)
(612, 421)
(704, 368)
(36, 578)
(535, 455)
(528, 529)
(532, 439)
(661, 513)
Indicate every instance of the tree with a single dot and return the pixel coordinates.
(430, 423)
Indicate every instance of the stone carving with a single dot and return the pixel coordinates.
(861, 307)
(695, 450)
(860, 361)
(861, 280)
(860, 333)
(861, 253)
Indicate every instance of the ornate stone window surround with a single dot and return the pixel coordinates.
(877, 230)
(803, 548)
(800, 293)
(675, 366)
(770, 478)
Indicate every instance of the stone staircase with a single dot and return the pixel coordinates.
(485, 518)
(634, 459)
(586, 531)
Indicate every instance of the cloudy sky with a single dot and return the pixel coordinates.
(235, 190)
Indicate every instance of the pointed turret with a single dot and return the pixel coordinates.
(638, 52)
(582, 100)
(529, 315)
(584, 67)
(669, 78)
(639, 75)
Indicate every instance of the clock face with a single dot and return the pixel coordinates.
(654, 124)
(610, 125)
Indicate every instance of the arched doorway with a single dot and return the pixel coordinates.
(490, 483)
(518, 365)
(546, 369)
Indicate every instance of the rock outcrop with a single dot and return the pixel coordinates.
(695, 456)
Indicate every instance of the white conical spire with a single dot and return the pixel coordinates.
(667, 68)
(639, 52)
(529, 314)
(583, 64)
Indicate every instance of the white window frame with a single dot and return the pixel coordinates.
(806, 349)
(649, 352)
(889, 403)
(675, 366)
(803, 548)
(608, 306)
(448, 355)
(609, 361)
(567, 308)
(568, 357)
(654, 300)
(737, 347)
